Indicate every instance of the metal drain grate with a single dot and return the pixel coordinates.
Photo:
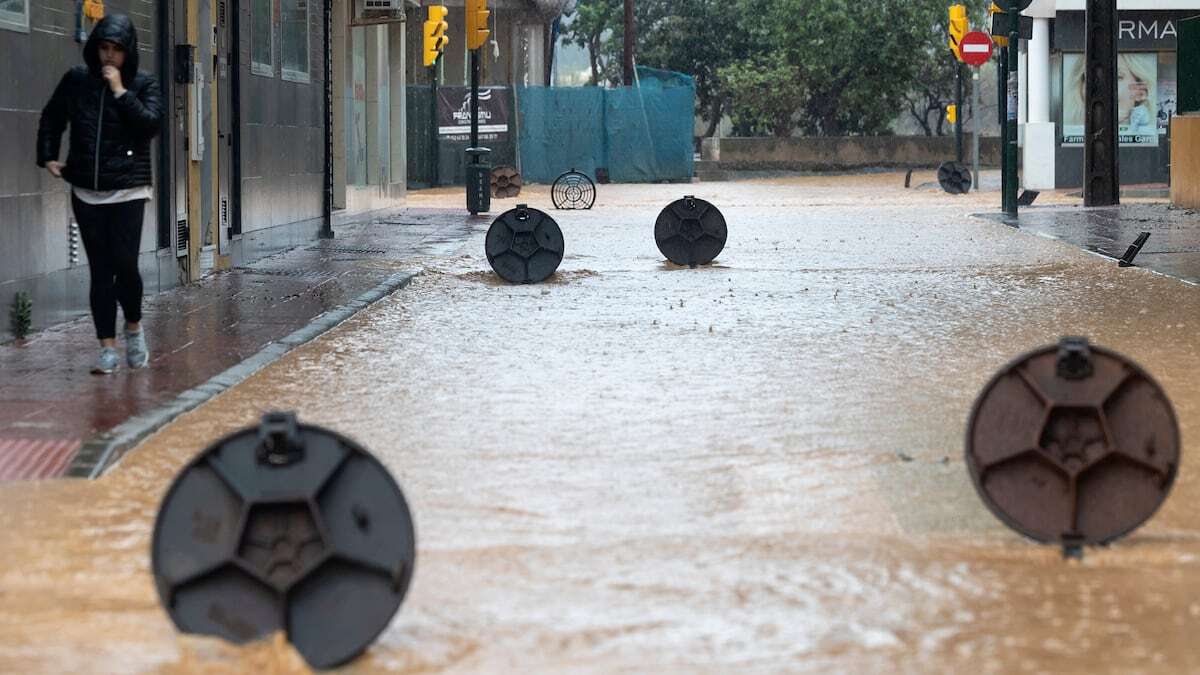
(340, 250)
(289, 272)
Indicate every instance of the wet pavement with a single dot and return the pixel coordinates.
(1173, 247)
(55, 416)
(753, 467)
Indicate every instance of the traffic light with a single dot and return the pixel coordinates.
(959, 25)
(477, 23)
(998, 34)
(951, 113)
(435, 34)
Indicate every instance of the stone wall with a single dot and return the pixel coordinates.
(842, 153)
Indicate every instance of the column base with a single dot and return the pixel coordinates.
(1038, 156)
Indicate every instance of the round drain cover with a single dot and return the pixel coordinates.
(285, 527)
(573, 190)
(1073, 444)
(690, 231)
(524, 245)
(954, 177)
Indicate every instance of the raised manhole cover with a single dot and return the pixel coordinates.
(524, 245)
(690, 231)
(285, 527)
(1073, 444)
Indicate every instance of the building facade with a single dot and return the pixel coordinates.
(240, 168)
(1051, 113)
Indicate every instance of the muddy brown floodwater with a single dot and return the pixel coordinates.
(751, 467)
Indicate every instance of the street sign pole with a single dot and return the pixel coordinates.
(1010, 112)
(976, 126)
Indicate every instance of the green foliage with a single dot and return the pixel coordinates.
(766, 94)
(21, 315)
(697, 37)
(849, 68)
(857, 62)
(597, 25)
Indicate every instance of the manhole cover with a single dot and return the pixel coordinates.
(285, 527)
(954, 177)
(1073, 444)
(524, 245)
(690, 231)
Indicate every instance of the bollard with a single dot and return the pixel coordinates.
(524, 245)
(954, 177)
(285, 526)
(690, 232)
(1072, 444)
(573, 190)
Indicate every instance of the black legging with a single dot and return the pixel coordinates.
(112, 235)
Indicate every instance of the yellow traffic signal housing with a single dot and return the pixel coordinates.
(435, 34)
(1000, 40)
(952, 113)
(959, 26)
(477, 23)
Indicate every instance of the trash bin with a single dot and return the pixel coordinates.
(479, 181)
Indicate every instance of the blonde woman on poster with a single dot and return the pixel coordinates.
(1136, 92)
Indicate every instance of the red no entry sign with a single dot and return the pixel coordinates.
(976, 48)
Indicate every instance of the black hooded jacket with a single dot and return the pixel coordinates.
(110, 137)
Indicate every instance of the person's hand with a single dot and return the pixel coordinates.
(55, 168)
(113, 76)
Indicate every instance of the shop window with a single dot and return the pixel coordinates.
(14, 15)
(262, 37)
(294, 44)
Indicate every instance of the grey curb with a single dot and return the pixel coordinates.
(104, 451)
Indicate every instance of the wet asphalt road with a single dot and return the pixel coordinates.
(755, 466)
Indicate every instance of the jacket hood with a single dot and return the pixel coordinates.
(114, 28)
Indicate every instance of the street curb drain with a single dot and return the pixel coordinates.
(104, 451)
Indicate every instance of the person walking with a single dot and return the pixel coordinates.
(113, 111)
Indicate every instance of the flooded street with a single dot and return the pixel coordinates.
(751, 467)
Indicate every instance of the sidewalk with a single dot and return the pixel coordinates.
(57, 419)
(1173, 248)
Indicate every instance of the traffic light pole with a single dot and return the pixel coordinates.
(1010, 112)
(959, 111)
(475, 100)
(433, 123)
(1002, 106)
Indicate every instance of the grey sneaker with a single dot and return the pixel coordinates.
(137, 354)
(107, 362)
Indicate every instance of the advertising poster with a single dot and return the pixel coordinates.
(454, 113)
(1167, 91)
(1137, 99)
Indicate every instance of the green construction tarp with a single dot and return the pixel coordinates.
(638, 134)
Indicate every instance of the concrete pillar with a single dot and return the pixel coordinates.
(399, 122)
(1040, 140)
(339, 52)
(375, 172)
